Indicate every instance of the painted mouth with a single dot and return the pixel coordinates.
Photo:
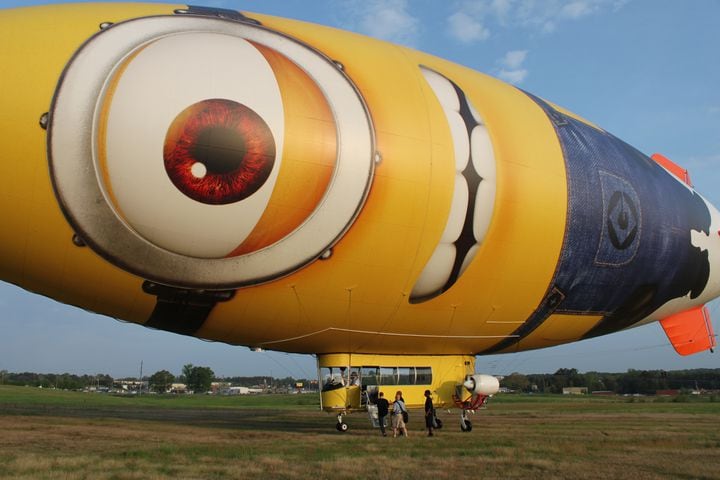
(473, 195)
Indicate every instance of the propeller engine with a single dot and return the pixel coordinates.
(481, 384)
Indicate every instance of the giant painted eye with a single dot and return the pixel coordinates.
(218, 154)
(191, 168)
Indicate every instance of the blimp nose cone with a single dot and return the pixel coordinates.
(709, 244)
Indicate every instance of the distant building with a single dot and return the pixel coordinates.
(575, 391)
(237, 391)
(130, 386)
(667, 393)
(241, 391)
(178, 388)
(219, 387)
(606, 393)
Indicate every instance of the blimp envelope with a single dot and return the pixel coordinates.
(277, 184)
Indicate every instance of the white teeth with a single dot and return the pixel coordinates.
(436, 272)
(483, 160)
(443, 89)
(435, 277)
(475, 114)
(450, 102)
(461, 142)
(458, 211)
(484, 202)
(483, 157)
(468, 258)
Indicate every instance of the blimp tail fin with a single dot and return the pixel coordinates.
(690, 331)
(672, 167)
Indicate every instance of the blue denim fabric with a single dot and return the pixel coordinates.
(627, 247)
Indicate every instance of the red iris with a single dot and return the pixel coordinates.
(218, 151)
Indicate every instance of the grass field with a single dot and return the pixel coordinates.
(49, 434)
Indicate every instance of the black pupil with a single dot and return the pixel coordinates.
(221, 150)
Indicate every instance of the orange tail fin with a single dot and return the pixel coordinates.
(672, 167)
(690, 331)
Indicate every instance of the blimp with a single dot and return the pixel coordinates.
(280, 185)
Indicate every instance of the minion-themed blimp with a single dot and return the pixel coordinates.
(286, 186)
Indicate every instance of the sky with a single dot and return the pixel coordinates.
(645, 70)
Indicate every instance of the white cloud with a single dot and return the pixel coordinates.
(501, 8)
(511, 67)
(578, 9)
(385, 19)
(514, 58)
(543, 16)
(513, 76)
(618, 4)
(466, 29)
(548, 27)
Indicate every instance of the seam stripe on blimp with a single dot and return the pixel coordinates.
(559, 328)
(381, 334)
(547, 307)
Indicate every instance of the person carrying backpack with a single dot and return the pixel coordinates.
(399, 411)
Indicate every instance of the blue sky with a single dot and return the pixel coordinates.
(645, 70)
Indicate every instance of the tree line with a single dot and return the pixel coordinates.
(196, 378)
(646, 382)
(199, 379)
(65, 381)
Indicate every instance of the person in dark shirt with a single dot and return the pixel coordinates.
(383, 407)
(429, 412)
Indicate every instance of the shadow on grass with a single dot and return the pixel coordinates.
(255, 419)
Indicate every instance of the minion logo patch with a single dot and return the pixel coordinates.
(620, 237)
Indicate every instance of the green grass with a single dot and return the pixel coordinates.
(67, 435)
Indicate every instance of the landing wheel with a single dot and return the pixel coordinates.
(466, 426)
(340, 425)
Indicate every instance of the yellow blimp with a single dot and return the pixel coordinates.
(281, 185)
